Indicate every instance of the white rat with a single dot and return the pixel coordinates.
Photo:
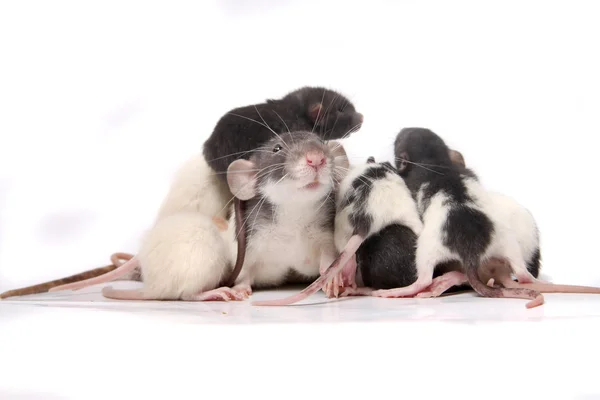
(288, 225)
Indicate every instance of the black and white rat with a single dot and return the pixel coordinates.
(241, 131)
(460, 222)
(244, 130)
(290, 198)
(519, 224)
(372, 199)
(200, 183)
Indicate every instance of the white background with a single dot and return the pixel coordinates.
(101, 101)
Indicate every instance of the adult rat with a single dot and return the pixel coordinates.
(200, 184)
(289, 226)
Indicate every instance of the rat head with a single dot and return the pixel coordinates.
(420, 146)
(293, 167)
(333, 115)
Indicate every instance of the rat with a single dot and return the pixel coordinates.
(520, 224)
(290, 196)
(194, 189)
(459, 221)
(244, 130)
(200, 184)
(184, 256)
(372, 200)
(289, 226)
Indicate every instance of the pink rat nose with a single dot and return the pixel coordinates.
(315, 159)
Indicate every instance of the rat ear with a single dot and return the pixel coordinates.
(241, 178)
(403, 162)
(315, 111)
(457, 158)
(340, 158)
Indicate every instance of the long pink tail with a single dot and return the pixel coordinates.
(336, 266)
(122, 270)
(547, 287)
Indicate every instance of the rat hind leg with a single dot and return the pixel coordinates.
(427, 257)
(443, 283)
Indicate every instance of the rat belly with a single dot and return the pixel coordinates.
(281, 250)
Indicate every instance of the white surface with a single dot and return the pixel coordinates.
(81, 346)
(101, 102)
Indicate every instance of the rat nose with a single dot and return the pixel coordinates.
(315, 159)
(361, 117)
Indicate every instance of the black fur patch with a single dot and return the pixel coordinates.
(533, 265)
(468, 232)
(245, 129)
(387, 259)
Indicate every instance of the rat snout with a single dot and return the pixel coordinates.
(315, 159)
(360, 117)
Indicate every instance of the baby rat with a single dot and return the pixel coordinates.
(289, 227)
(244, 130)
(519, 224)
(289, 190)
(183, 257)
(372, 200)
(459, 221)
(194, 188)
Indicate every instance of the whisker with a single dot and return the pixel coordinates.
(253, 120)
(258, 176)
(422, 166)
(268, 127)
(319, 113)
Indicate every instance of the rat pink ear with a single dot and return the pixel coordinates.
(315, 111)
(241, 178)
(457, 158)
(340, 158)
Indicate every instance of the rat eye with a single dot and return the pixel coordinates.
(277, 148)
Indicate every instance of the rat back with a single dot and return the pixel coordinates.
(196, 188)
(372, 196)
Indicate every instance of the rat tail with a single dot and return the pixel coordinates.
(129, 266)
(117, 260)
(472, 268)
(335, 268)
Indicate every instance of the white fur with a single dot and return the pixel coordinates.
(389, 202)
(515, 235)
(295, 241)
(183, 255)
(295, 237)
(196, 188)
